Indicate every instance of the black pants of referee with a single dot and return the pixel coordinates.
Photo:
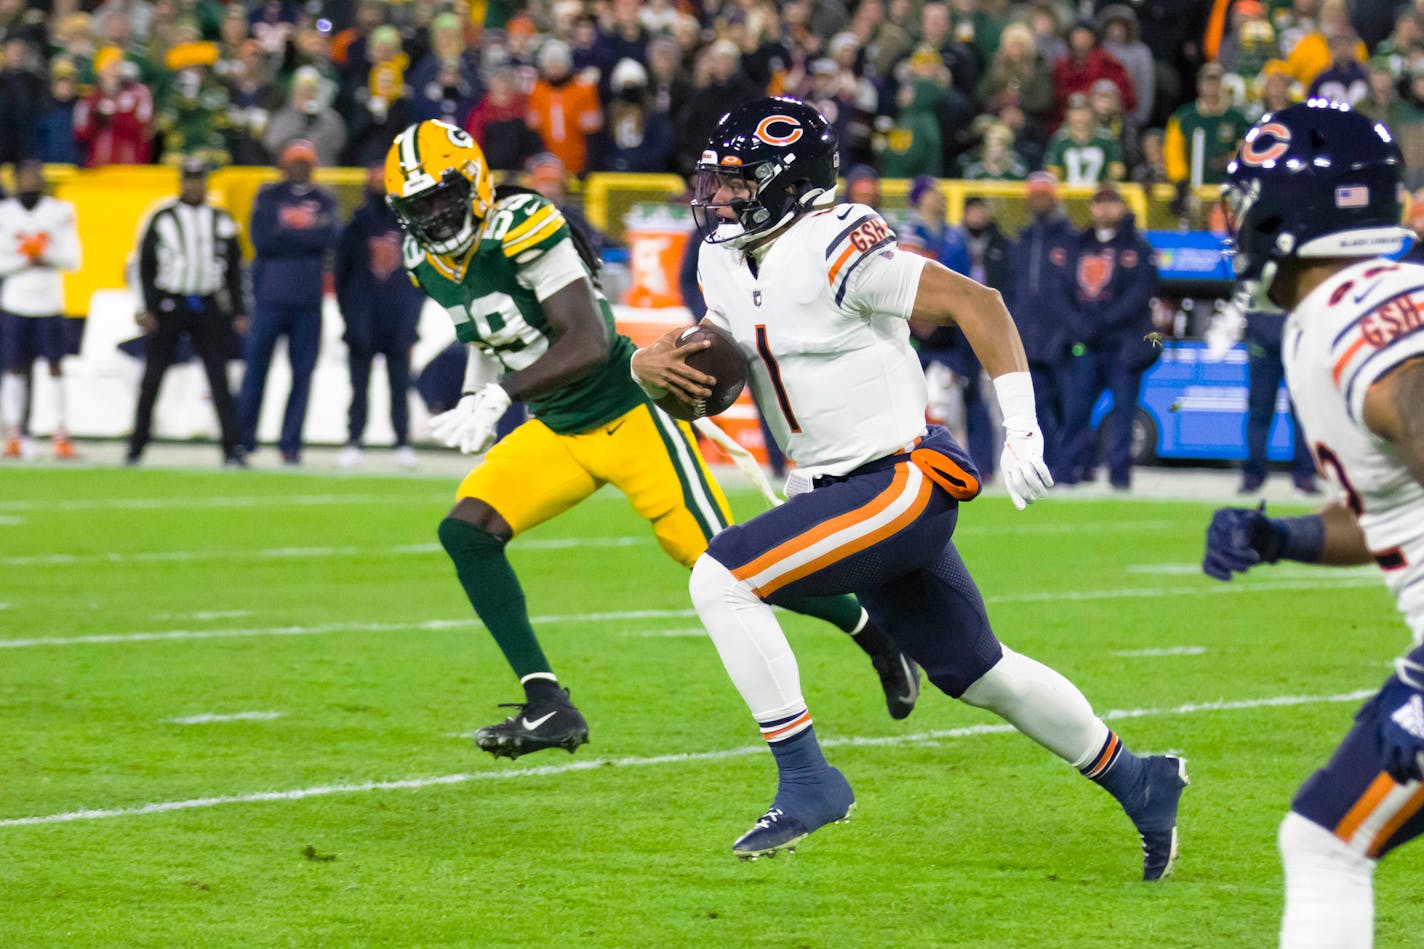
(208, 327)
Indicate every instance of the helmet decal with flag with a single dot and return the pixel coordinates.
(1313, 180)
(438, 184)
(767, 161)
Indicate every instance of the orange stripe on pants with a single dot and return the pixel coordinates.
(1374, 794)
(821, 531)
(1410, 808)
(854, 546)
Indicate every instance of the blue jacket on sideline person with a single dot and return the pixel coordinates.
(292, 229)
(1040, 286)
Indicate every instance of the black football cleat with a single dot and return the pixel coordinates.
(899, 674)
(900, 680)
(796, 813)
(1156, 817)
(536, 726)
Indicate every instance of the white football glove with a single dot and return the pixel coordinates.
(1026, 477)
(470, 425)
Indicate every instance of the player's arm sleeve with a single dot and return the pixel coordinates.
(537, 232)
(867, 273)
(64, 252)
(552, 269)
(1358, 363)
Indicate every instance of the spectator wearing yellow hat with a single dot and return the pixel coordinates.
(114, 123)
(54, 127)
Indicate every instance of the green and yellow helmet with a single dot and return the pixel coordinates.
(439, 186)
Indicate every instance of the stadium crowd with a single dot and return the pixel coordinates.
(978, 89)
(1044, 92)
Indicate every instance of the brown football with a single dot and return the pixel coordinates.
(722, 361)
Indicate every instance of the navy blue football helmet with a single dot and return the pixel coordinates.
(770, 160)
(1313, 180)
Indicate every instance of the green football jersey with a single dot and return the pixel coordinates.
(1082, 163)
(493, 308)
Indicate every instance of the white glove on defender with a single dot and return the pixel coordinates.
(1026, 477)
(470, 425)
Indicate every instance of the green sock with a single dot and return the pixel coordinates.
(842, 612)
(494, 592)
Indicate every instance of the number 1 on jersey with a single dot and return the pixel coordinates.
(774, 371)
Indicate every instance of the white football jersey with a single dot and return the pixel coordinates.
(1348, 333)
(31, 290)
(823, 324)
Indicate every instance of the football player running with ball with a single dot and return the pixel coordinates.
(818, 296)
(1313, 206)
(521, 289)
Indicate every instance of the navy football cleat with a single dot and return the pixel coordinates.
(797, 812)
(1156, 817)
(536, 726)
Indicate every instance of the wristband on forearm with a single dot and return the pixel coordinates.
(1016, 403)
(1296, 538)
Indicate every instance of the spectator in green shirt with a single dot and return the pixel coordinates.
(1081, 152)
(1206, 131)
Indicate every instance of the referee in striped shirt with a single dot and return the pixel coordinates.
(190, 274)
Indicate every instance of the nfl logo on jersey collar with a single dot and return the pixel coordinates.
(756, 298)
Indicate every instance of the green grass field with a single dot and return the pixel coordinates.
(344, 807)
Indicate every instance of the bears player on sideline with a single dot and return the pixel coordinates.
(1312, 203)
(520, 288)
(818, 297)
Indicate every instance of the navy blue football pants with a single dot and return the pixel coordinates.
(882, 532)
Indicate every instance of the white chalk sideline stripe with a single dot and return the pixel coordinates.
(212, 718)
(256, 500)
(300, 553)
(205, 614)
(1293, 570)
(422, 626)
(7, 521)
(471, 622)
(1164, 651)
(412, 784)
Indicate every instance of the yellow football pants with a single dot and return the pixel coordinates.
(534, 474)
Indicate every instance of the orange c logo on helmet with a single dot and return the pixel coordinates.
(763, 131)
(1255, 153)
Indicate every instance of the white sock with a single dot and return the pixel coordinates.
(61, 406)
(748, 638)
(12, 402)
(1042, 704)
(1330, 900)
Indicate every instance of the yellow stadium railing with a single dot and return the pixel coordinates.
(113, 201)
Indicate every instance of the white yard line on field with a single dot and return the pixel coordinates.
(210, 718)
(1292, 570)
(1164, 651)
(8, 521)
(205, 615)
(300, 553)
(411, 784)
(421, 626)
(689, 632)
(1320, 584)
(199, 503)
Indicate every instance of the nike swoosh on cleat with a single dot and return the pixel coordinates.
(537, 722)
